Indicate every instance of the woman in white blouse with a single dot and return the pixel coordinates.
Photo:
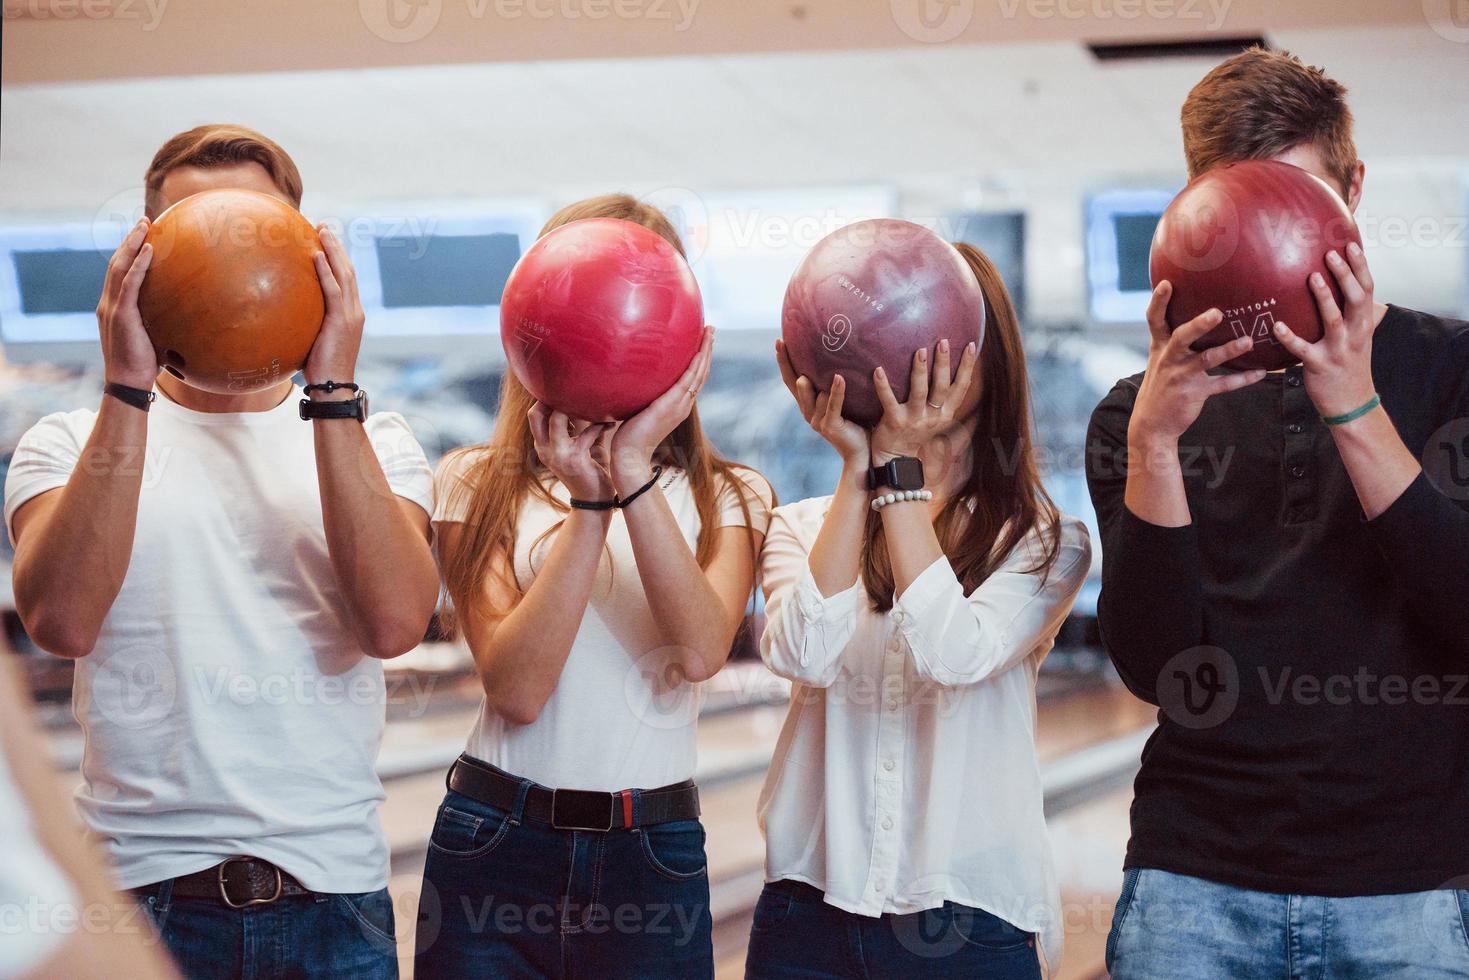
(569, 843)
(903, 812)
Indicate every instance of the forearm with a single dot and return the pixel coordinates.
(521, 659)
(71, 561)
(1155, 490)
(382, 561)
(836, 556)
(692, 620)
(1380, 466)
(912, 543)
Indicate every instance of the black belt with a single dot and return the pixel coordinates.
(238, 883)
(575, 809)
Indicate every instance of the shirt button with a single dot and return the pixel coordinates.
(892, 705)
(1294, 428)
(1293, 380)
(887, 823)
(888, 765)
(1298, 471)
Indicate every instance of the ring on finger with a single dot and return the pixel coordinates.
(937, 408)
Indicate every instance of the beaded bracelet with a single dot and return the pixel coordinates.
(882, 500)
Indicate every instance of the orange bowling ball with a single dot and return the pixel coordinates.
(232, 301)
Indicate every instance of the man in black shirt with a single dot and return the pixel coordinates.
(1286, 574)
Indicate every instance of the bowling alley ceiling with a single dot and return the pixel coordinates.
(867, 108)
(71, 40)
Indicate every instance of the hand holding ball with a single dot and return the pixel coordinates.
(868, 296)
(232, 301)
(600, 317)
(1244, 238)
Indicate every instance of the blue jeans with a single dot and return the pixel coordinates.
(1169, 925)
(304, 937)
(797, 935)
(508, 897)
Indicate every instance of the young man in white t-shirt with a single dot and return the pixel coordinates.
(229, 578)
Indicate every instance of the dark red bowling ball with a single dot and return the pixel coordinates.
(1245, 238)
(600, 317)
(870, 295)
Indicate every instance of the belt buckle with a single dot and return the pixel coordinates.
(224, 891)
(578, 820)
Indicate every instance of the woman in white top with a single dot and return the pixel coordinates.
(569, 843)
(903, 811)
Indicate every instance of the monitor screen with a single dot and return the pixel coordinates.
(59, 280)
(1119, 236)
(445, 270)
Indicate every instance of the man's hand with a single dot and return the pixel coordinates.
(1338, 367)
(334, 355)
(1177, 382)
(127, 352)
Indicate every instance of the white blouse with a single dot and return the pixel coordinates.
(617, 718)
(906, 775)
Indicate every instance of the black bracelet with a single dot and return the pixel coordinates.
(624, 502)
(139, 398)
(594, 504)
(330, 386)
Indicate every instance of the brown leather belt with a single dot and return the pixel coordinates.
(238, 883)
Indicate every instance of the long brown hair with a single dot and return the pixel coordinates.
(506, 469)
(1003, 488)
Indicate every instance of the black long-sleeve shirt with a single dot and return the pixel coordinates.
(1311, 666)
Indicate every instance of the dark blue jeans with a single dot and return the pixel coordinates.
(508, 897)
(797, 935)
(305, 937)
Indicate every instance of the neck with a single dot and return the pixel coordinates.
(198, 400)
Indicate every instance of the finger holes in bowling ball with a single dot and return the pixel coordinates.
(173, 363)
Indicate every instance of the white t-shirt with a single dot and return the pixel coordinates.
(906, 774)
(614, 720)
(227, 707)
(38, 909)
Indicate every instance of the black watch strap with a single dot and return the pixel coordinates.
(346, 408)
(902, 473)
(137, 397)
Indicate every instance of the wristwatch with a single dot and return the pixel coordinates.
(352, 408)
(902, 473)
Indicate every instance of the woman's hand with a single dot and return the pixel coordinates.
(1338, 367)
(574, 451)
(1177, 382)
(640, 436)
(906, 427)
(823, 411)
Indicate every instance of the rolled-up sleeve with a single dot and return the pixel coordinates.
(806, 633)
(959, 639)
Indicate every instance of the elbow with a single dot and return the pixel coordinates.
(699, 667)
(389, 637)
(57, 631)
(516, 707)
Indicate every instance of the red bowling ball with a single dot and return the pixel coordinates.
(870, 295)
(600, 317)
(1245, 238)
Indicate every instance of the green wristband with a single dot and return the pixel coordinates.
(1354, 414)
